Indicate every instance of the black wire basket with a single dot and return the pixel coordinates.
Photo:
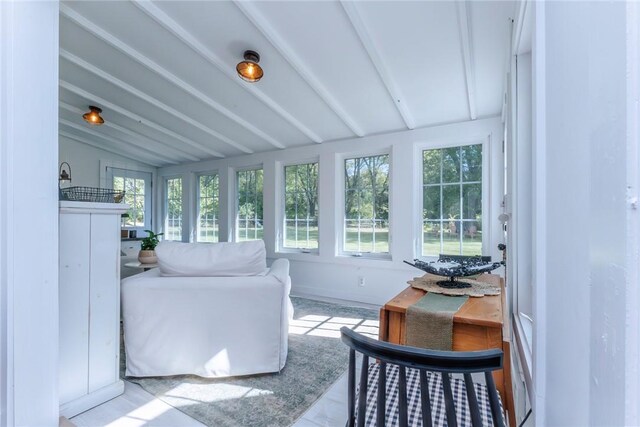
(91, 194)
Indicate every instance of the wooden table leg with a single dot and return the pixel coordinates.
(508, 385)
(383, 329)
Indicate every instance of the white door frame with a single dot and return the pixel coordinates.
(28, 213)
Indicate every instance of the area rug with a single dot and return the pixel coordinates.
(316, 360)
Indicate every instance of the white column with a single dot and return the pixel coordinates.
(586, 245)
(29, 213)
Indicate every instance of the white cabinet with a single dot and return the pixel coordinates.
(89, 296)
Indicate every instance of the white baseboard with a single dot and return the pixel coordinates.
(347, 298)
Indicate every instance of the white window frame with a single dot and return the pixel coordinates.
(196, 209)
(419, 194)
(147, 177)
(236, 194)
(282, 207)
(460, 183)
(341, 203)
(165, 200)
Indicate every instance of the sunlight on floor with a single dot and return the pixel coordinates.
(326, 326)
(218, 393)
(142, 415)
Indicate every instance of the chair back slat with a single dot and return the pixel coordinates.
(351, 399)
(472, 400)
(425, 400)
(362, 397)
(443, 362)
(402, 397)
(382, 395)
(494, 402)
(448, 400)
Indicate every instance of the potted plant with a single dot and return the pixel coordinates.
(148, 245)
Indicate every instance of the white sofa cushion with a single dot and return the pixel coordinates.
(212, 259)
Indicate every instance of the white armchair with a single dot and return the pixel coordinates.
(206, 326)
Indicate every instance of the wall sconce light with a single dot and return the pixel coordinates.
(64, 175)
(93, 116)
(249, 70)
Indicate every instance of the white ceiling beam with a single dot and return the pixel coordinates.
(467, 55)
(128, 154)
(158, 69)
(167, 149)
(118, 142)
(90, 97)
(389, 82)
(191, 41)
(151, 100)
(287, 52)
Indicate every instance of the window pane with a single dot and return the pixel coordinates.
(431, 202)
(301, 206)
(173, 222)
(472, 162)
(431, 238)
(472, 201)
(208, 208)
(451, 202)
(431, 166)
(451, 237)
(472, 238)
(451, 164)
(366, 213)
(118, 183)
(249, 217)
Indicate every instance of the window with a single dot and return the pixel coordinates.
(301, 207)
(366, 205)
(173, 219)
(452, 201)
(249, 214)
(208, 208)
(137, 194)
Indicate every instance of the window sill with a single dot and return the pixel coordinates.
(369, 256)
(289, 251)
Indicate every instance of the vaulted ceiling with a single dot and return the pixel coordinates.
(164, 72)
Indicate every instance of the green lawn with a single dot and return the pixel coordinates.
(367, 244)
(430, 246)
(451, 245)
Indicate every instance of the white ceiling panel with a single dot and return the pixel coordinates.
(421, 44)
(222, 28)
(164, 72)
(319, 33)
(490, 32)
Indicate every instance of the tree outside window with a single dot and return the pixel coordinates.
(208, 208)
(173, 222)
(366, 222)
(301, 206)
(249, 219)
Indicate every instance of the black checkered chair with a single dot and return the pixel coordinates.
(411, 386)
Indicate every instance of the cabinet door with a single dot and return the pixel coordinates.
(73, 293)
(104, 319)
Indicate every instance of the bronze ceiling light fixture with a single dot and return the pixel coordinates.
(93, 116)
(249, 70)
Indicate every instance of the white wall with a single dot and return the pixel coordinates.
(585, 62)
(29, 213)
(85, 162)
(327, 274)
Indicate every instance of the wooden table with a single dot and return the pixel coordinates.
(480, 324)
